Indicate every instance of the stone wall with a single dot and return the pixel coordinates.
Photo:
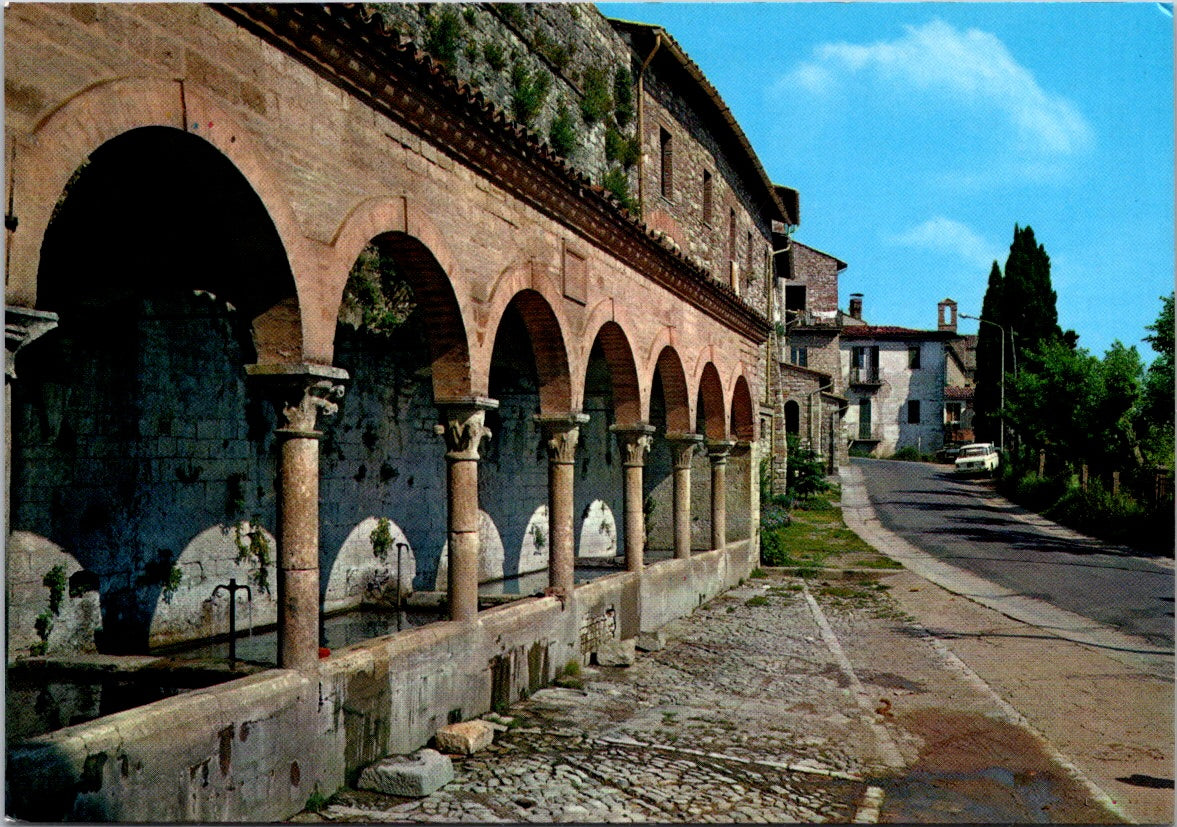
(256, 749)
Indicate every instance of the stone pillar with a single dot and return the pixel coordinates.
(21, 326)
(301, 392)
(464, 430)
(635, 442)
(561, 432)
(682, 447)
(718, 452)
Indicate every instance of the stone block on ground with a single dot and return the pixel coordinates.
(465, 738)
(616, 653)
(414, 776)
(651, 641)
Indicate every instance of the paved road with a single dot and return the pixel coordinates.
(961, 521)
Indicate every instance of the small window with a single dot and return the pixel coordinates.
(708, 194)
(952, 413)
(913, 357)
(913, 412)
(799, 356)
(667, 147)
(731, 234)
(795, 298)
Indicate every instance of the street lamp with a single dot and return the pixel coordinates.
(1001, 434)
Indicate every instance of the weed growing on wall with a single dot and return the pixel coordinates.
(376, 300)
(562, 133)
(253, 546)
(529, 92)
(381, 538)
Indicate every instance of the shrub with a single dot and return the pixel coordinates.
(562, 132)
(595, 102)
(807, 475)
(623, 108)
(494, 56)
(441, 36)
(617, 183)
(529, 91)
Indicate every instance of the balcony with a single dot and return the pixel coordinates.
(865, 377)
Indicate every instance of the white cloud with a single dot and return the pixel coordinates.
(970, 67)
(942, 234)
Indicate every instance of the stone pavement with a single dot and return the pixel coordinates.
(783, 700)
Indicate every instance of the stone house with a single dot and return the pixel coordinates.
(896, 385)
(300, 296)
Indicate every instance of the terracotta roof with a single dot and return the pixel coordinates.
(735, 132)
(892, 333)
(789, 367)
(959, 393)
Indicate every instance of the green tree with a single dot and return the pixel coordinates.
(1155, 423)
(987, 397)
(1028, 303)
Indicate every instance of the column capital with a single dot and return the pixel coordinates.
(635, 440)
(718, 449)
(743, 447)
(300, 391)
(21, 326)
(683, 445)
(561, 433)
(464, 428)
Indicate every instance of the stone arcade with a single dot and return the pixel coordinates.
(189, 188)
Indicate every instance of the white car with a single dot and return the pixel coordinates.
(980, 457)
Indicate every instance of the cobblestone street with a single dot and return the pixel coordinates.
(781, 701)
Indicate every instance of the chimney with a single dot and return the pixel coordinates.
(856, 306)
(947, 316)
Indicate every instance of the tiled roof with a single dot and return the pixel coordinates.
(892, 333)
(959, 393)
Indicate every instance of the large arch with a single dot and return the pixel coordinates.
(709, 416)
(743, 421)
(63, 141)
(544, 332)
(669, 369)
(617, 353)
(169, 277)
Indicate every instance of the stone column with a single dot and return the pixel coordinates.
(561, 432)
(21, 326)
(718, 452)
(682, 446)
(301, 392)
(635, 442)
(464, 430)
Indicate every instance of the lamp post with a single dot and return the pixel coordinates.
(1001, 434)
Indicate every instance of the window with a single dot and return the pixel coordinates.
(952, 413)
(667, 155)
(799, 356)
(864, 425)
(708, 194)
(913, 357)
(748, 257)
(913, 412)
(792, 417)
(795, 299)
(731, 234)
(864, 364)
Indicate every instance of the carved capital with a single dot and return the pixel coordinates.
(21, 326)
(635, 442)
(464, 428)
(683, 447)
(561, 434)
(719, 449)
(300, 393)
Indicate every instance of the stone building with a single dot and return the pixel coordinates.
(896, 386)
(293, 305)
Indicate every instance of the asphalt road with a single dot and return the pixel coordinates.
(962, 521)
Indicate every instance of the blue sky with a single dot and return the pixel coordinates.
(919, 134)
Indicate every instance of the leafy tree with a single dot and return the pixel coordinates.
(1155, 424)
(1028, 303)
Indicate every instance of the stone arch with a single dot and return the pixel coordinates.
(436, 301)
(743, 422)
(709, 416)
(64, 140)
(674, 390)
(547, 341)
(627, 397)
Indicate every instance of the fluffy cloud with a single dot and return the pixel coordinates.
(945, 235)
(971, 67)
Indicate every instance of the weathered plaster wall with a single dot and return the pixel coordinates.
(889, 412)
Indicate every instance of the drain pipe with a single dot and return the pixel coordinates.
(642, 120)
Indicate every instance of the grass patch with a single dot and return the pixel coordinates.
(758, 574)
(758, 600)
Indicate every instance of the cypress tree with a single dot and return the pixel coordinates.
(987, 397)
(1027, 299)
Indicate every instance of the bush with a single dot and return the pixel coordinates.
(562, 133)
(911, 454)
(529, 91)
(807, 474)
(442, 32)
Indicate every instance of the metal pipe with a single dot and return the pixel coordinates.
(232, 588)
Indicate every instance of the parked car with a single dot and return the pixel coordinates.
(978, 458)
